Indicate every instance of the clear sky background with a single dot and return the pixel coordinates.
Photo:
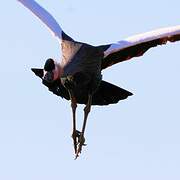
(138, 138)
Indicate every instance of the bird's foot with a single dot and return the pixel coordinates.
(81, 142)
(76, 135)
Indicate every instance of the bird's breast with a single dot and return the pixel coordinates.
(87, 59)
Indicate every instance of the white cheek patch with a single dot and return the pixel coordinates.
(44, 73)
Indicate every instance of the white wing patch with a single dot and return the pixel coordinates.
(44, 16)
(142, 38)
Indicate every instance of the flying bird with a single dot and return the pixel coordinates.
(78, 74)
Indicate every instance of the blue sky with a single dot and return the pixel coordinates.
(135, 139)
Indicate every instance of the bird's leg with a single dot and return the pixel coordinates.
(75, 133)
(81, 139)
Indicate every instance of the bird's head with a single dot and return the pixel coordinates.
(51, 71)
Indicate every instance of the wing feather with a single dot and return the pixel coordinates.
(137, 45)
(44, 16)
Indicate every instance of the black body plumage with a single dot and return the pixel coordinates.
(105, 94)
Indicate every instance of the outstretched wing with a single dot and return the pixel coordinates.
(137, 45)
(45, 17)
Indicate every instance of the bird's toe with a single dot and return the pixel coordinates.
(81, 143)
(81, 140)
(75, 136)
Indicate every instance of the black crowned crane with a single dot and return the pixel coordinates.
(77, 76)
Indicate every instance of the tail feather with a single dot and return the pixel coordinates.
(109, 94)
